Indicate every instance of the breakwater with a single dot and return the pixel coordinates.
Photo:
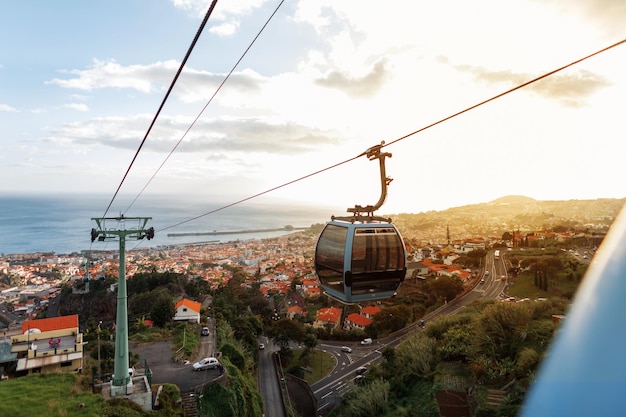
(234, 232)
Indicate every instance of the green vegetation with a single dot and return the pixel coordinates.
(48, 394)
(544, 273)
(238, 397)
(69, 395)
(236, 331)
(185, 336)
(492, 345)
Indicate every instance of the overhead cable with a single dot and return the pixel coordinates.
(534, 80)
(169, 90)
(206, 105)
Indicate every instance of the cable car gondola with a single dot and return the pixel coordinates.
(361, 257)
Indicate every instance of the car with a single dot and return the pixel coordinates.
(346, 349)
(261, 346)
(421, 323)
(206, 363)
(205, 331)
(367, 341)
(361, 370)
(358, 379)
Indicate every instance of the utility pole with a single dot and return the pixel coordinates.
(99, 364)
(122, 383)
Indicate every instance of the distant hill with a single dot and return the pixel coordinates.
(514, 199)
(509, 213)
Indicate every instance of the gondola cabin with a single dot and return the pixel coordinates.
(360, 261)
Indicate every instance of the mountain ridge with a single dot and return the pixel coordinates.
(510, 213)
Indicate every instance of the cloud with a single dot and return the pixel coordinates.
(192, 86)
(363, 86)
(7, 108)
(76, 106)
(226, 13)
(216, 135)
(225, 29)
(110, 74)
(570, 87)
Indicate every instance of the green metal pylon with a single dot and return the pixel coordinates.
(121, 378)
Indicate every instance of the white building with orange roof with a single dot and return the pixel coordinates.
(369, 311)
(356, 321)
(187, 310)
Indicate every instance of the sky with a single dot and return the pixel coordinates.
(275, 91)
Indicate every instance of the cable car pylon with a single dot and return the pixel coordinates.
(122, 383)
(362, 257)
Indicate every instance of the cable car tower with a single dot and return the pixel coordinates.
(362, 257)
(122, 383)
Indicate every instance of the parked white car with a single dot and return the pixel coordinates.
(206, 363)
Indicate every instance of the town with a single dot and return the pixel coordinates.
(31, 281)
(41, 336)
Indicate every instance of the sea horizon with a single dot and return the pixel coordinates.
(62, 223)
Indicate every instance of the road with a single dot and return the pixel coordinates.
(329, 390)
(269, 382)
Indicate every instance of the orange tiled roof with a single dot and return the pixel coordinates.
(190, 304)
(359, 319)
(50, 324)
(370, 310)
(295, 309)
(330, 314)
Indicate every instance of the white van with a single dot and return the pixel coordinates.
(367, 341)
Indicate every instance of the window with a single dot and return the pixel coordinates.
(329, 256)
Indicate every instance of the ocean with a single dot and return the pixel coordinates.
(62, 224)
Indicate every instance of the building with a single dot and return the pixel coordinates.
(187, 310)
(49, 345)
(356, 321)
(370, 311)
(330, 316)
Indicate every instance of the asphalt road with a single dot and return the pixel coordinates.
(269, 383)
(164, 369)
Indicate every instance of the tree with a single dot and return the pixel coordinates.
(446, 287)
(162, 309)
(390, 319)
(502, 329)
(284, 331)
(456, 343)
(369, 400)
(416, 357)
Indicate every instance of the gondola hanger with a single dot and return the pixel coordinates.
(365, 214)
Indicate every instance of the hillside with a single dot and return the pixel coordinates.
(510, 213)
